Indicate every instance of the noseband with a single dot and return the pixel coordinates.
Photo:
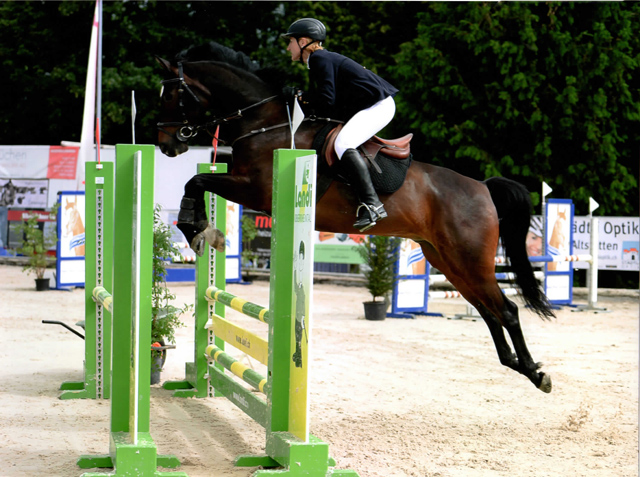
(187, 130)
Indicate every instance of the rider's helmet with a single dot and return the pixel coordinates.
(309, 27)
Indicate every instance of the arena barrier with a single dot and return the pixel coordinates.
(131, 450)
(412, 292)
(284, 412)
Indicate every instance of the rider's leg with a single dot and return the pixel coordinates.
(358, 129)
(370, 209)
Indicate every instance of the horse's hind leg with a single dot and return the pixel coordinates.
(521, 361)
(480, 288)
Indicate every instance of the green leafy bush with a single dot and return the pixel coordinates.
(380, 254)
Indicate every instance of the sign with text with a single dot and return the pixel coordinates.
(62, 162)
(618, 244)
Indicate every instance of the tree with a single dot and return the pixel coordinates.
(535, 91)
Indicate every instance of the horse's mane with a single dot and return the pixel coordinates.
(213, 51)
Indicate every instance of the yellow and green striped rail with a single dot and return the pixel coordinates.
(102, 296)
(239, 304)
(245, 373)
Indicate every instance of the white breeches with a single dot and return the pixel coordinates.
(364, 125)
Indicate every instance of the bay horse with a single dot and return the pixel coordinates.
(456, 220)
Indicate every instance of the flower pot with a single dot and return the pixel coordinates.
(42, 284)
(157, 362)
(375, 310)
(156, 367)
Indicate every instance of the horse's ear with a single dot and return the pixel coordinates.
(164, 63)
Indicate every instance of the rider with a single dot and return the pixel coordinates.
(343, 89)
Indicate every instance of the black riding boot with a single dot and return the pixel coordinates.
(370, 209)
(194, 225)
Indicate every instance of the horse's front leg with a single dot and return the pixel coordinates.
(192, 218)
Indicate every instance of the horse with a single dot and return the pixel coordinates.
(456, 220)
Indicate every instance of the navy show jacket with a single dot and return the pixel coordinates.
(340, 87)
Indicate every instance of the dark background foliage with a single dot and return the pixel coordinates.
(530, 90)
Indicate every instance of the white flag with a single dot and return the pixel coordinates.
(133, 116)
(298, 117)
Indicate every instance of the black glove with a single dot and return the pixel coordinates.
(290, 93)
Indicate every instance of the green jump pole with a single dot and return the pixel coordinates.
(290, 449)
(132, 450)
(210, 268)
(99, 189)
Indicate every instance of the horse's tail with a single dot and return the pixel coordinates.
(513, 204)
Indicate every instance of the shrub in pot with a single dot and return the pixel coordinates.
(165, 317)
(35, 246)
(380, 255)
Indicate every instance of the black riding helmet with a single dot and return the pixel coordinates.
(309, 27)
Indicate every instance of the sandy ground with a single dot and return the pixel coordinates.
(424, 397)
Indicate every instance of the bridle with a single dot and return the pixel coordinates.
(186, 130)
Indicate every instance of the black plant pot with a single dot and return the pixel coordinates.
(157, 363)
(42, 284)
(375, 310)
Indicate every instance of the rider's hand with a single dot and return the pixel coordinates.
(290, 93)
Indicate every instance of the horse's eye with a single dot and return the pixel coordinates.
(166, 95)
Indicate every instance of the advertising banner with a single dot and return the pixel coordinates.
(618, 244)
(559, 275)
(71, 239)
(303, 253)
(24, 193)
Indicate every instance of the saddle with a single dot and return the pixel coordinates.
(399, 148)
(389, 160)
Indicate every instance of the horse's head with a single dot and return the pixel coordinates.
(207, 86)
(184, 102)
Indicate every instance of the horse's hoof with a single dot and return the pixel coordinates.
(545, 384)
(198, 244)
(214, 237)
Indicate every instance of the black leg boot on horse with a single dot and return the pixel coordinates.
(370, 209)
(194, 225)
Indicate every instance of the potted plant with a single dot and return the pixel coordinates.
(35, 246)
(249, 256)
(165, 317)
(380, 255)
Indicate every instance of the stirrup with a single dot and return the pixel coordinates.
(364, 223)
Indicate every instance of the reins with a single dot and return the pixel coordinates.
(186, 130)
(255, 132)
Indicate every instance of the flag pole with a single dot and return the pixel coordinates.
(89, 113)
(99, 80)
